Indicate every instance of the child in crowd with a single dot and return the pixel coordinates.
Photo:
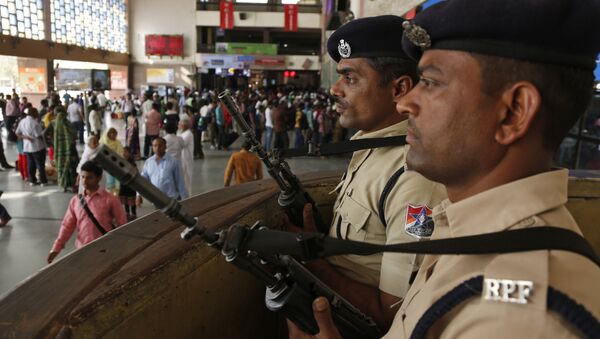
(126, 193)
(110, 140)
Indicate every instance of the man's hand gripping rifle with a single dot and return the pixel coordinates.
(293, 197)
(290, 287)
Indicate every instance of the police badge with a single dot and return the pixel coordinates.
(419, 223)
(417, 35)
(344, 49)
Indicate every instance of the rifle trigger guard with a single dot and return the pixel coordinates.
(311, 245)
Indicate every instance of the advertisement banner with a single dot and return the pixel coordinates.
(270, 62)
(160, 76)
(32, 79)
(246, 48)
(226, 9)
(291, 17)
(118, 79)
(73, 79)
(100, 79)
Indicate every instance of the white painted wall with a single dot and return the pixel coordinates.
(258, 19)
(163, 17)
(365, 8)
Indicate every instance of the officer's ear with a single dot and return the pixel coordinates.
(520, 106)
(401, 86)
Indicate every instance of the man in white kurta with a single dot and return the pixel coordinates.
(187, 153)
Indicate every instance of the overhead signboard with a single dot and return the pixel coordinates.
(213, 61)
(164, 45)
(246, 48)
(73, 79)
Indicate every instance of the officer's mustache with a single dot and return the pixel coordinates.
(413, 128)
(341, 102)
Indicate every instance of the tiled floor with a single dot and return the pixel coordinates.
(37, 212)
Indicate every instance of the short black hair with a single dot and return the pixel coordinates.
(155, 106)
(90, 166)
(390, 68)
(566, 91)
(169, 105)
(161, 139)
(171, 128)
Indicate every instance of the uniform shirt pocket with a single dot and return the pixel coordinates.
(354, 219)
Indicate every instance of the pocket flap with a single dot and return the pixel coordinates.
(354, 213)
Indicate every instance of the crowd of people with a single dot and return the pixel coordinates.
(173, 130)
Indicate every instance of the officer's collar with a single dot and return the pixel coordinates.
(501, 207)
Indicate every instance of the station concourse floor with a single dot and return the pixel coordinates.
(38, 211)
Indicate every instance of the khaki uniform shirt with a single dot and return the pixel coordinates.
(535, 201)
(357, 214)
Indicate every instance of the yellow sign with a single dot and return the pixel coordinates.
(160, 75)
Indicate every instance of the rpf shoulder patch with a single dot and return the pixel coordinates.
(344, 49)
(419, 223)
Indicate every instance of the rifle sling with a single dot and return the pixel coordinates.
(312, 246)
(343, 147)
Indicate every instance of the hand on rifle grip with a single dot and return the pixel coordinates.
(309, 221)
(322, 314)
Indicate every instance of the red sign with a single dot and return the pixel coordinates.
(171, 45)
(291, 17)
(226, 15)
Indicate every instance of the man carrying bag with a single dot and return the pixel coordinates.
(91, 213)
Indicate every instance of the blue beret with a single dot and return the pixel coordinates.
(379, 36)
(562, 32)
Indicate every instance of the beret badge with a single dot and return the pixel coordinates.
(416, 34)
(344, 49)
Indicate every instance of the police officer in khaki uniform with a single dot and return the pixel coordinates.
(499, 90)
(378, 201)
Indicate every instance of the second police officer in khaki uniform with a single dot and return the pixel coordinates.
(499, 90)
(374, 73)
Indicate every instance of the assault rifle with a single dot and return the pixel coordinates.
(292, 197)
(290, 287)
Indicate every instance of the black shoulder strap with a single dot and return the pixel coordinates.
(315, 245)
(341, 147)
(521, 240)
(384, 194)
(91, 215)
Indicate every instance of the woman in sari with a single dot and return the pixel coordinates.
(66, 157)
(132, 137)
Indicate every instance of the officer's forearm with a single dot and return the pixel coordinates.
(370, 300)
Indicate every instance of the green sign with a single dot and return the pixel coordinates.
(246, 48)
